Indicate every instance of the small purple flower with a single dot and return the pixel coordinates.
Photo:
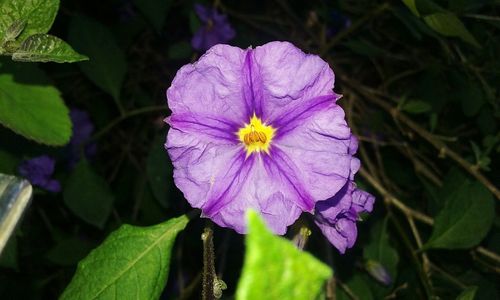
(215, 30)
(260, 128)
(82, 131)
(378, 272)
(38, 171)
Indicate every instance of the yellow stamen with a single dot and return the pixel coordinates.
(256, 136)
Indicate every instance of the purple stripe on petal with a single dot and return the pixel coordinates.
(279, 165)
(213, 127)
(225, 187)
(253, 86)
(296, 115)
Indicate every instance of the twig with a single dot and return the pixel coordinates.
(129, 114)
(390, 199)
(208, 265)
(437, 143)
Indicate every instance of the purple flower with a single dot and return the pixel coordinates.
(378, 272)
(337, 216)
(215, 30)
(260, 128)
(82, 131)
(38, 171)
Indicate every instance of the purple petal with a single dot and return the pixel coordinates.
(205, 126)
(320, 149)
(224, 183)
(211, 86)
(204, 12)
(362, 201)
(268, 189)
(289, 77)
(342, 234)
(38, 171)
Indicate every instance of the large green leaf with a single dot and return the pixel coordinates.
(448, 24)
(107, 65)
(38, 15)
(88, 195)
(275, 269)
(380, 250)
(132, 263)
(36, 110)
(44, 48)
(465, 218)
(154, 10)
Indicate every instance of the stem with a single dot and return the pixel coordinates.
(411, 213)
(208, 265)
(429, 137)
(129, 114)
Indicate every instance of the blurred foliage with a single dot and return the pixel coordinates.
(419, 80)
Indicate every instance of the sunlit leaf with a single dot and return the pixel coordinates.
(44, 48)
(132, 263)
(36, 110)
(38, 15)
(275, 269)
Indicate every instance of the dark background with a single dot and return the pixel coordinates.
(408, 90)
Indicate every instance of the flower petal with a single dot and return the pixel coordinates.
(197, 163)
(205, 127)
(285, 76)
(342, 235)
(320, 149)
(267, 188)
(213, 85)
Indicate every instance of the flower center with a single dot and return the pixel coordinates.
(256, 136)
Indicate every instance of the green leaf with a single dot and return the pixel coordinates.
(132, 263)
(159, 170)
(35, 111)
(14, 31)
(107, 65)
(380, 250)
(465, 218)
(69, 251)
(468, 294)
(88, 195)
(44, 48)
(358, 287)
(416, 106)
(155, 11)
(38, 15)
(412, 5)
(448, 24)
(275, 269)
